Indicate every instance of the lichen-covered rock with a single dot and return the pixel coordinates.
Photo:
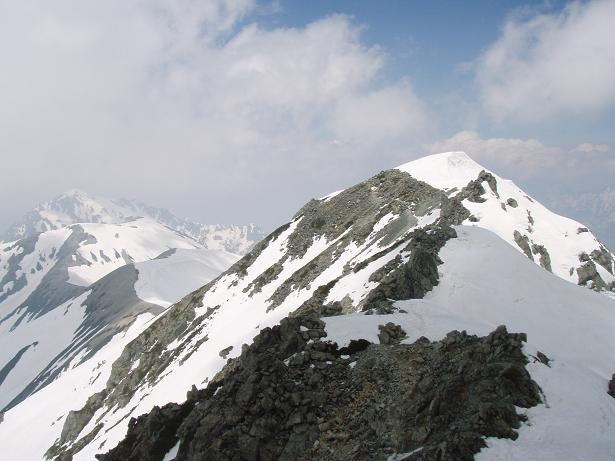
(292, 395)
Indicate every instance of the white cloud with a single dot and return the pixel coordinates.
(131, 94)
(532, 160)
(551, 64)
(511, 156)
(385, 113)
(587, 147)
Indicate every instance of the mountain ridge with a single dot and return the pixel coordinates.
(368, 254)
(75, 206)
(72, 289)
(80, 267)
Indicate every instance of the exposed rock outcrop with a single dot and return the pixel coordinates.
(545, 258)
(390, 333)
(511, 202)
(588, 275)
(604, 258)
(292, 395)
(524, 243)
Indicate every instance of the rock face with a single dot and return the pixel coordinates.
(293, 395)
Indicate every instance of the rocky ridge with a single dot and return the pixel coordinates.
(386, 212)
(294, 395)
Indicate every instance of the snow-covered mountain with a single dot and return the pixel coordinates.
(75, 206)
(68, 291)
(434, 245)
(561, 245)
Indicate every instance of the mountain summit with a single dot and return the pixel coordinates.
(560, 245)
(433, 311)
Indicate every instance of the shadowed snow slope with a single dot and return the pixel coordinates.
(166, 279)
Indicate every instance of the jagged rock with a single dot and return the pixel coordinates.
(225, 352)
(511, 202)
(73, 425)
(588, 275)
(354, 346)
(524, 243)
(314, 305)
(160, 425)
(611, 390)
(390, 333)
(545, 258)
(474, 190)
(542, 358)
(413, 278)
(193, 393)
(396, 399)
(604, 258)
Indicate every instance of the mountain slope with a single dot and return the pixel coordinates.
(359, 250)
(68, 291)
(75, 207)
(561, 245)
(484, 283)
(68, 281)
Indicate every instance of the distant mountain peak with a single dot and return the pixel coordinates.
(75, 206)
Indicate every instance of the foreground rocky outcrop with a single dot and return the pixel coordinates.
(293, 395)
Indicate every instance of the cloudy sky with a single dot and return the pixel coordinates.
(241, 110)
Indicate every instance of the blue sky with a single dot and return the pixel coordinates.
(431, 41)
(424, 39)
(242, 110)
